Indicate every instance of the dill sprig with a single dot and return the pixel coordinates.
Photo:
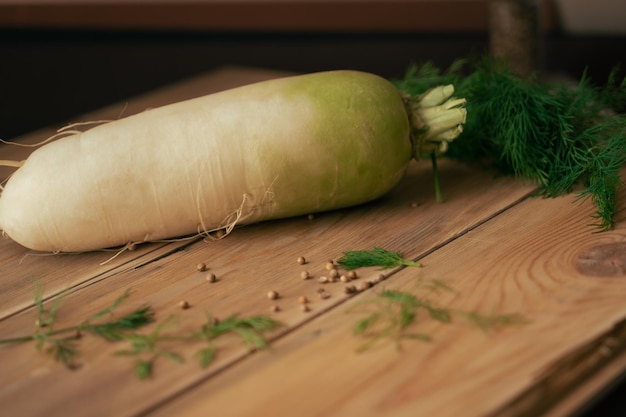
(375, 257)
(62, 343)
(393, 315)
(553, 134)
(147, 348)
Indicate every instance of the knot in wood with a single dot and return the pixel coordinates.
(605, 260)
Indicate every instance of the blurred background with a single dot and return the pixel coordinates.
(60, 58)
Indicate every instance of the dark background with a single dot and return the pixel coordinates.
(49, 76)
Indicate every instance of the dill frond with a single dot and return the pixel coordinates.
(375, 257)
(554, 135)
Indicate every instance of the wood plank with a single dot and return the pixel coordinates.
(249, 262)
(522, 261)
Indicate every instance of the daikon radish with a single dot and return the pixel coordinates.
(274, 149)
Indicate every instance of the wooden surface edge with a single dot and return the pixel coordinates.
(575, 380)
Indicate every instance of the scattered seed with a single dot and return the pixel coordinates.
(352, 274)
(305, 308)
(305, 275)
(324, 295)
(272, 295)
(301, 260)
(201, 267)
(344, 278)
(323, 279)
(333, 273)
(184, 304)
(211, 277)
(330, 265)
(380, 278)
(302, 299)
(365, 285)
(274, 308)
(320, 290)
(350, 289)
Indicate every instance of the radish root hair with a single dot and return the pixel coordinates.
(62, 132)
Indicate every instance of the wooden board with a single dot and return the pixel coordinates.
(499, 249)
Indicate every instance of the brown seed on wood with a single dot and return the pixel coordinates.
(352, 274)
(201, 267)
(324, 295)
(184, 304)
(305, 308)
(350, 289)
(301, 260)
(344, 278)
(333, 273)
(274, 308)
(272, 295)
(330, 265)
(323, 279)
(302, 299)
(211, 277)
(305, 275)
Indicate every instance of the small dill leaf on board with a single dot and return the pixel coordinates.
(375, 257)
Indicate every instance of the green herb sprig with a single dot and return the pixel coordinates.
(554, 134)
(392, 315)
(147, 348)
(375, 257)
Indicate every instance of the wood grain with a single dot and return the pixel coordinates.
(522, 261)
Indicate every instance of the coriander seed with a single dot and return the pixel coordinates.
(303, 299)
(211, 277)
(201, 267)
(350, 289)
(272, 295)
(352, 274)
(305, 308)
(184, 304)
(301, 260)
(274, 308)
(305, 275)
(365, 285)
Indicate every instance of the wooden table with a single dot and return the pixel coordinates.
(498, 248)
